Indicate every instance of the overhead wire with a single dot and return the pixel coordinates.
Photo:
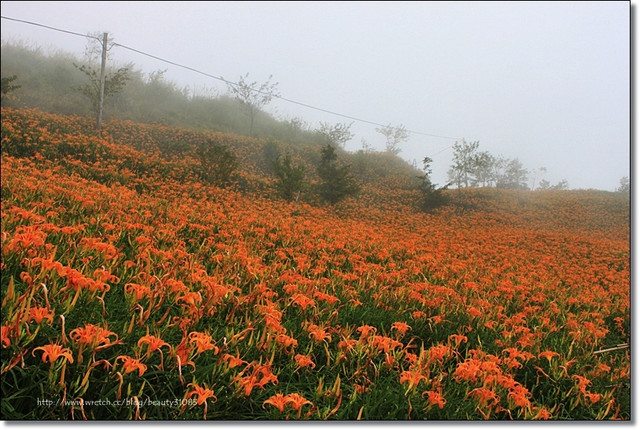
(49, 27)
(173, 63)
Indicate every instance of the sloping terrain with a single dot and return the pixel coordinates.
(133, 290)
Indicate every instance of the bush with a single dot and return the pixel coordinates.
(290, 178)
(433, 197)
(217, 163)
(336, 180)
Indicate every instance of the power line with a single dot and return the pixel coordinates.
(230, 82)
(276, 96)
(50, 28)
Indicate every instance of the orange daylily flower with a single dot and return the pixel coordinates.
(582, 382)
(260, 376)
(191, 298)
(519, 395)
(278, 401)
(203, 393)
(54, 351)
(469, 370)
(233, 361)
(542, 414)
(154, 343)
(138, 291)
(297, 401)
(92, 335)
(364, 330)
(304, 361)
(484, 396)
(131, 365)
(435, 398)
(39, 314)
(548, 355)
(458, 339)
(385, 344)
(202, 342)
(302, 301)
(593, 397)
(401, 327)
(413, 377)
(439, 352)
(286, 341)
(317, 333)
(347, 345)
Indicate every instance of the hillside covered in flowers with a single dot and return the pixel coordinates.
(132, 289)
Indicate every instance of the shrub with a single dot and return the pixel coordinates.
(290, 178)
(217, 163)
(336, 180)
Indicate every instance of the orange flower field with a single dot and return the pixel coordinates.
(132, 291)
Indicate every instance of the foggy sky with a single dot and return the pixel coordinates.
(545, 82)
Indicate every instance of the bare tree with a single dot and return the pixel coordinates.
(394, 137)
(337, 135)
(253, 95)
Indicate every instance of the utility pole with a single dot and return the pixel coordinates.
(103, 68)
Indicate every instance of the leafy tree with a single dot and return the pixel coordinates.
(464, 163)
(514, 175)
(336, 181)
(290, 178)
(338, 134)
(483, 169)
(544, 185)
(114, 81)
(624, 185)
(7, 85)
(217, 163)
(394, 136)
(252, 96)
(562, 185)
(433, 197)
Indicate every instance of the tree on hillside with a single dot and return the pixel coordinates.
(253, 96)
(464, 163)
(103, 83)
(514, 176)
(624, 185)
(290, 177)
(7, 85)
(483, 169)
(394, 136)
(534, 172)
(562, 185)
(336, 181)
(433, 197)
(546, 185)
(338, 134)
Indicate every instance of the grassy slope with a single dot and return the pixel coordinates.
(523, 270)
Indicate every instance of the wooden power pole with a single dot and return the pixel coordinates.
(103, 68)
